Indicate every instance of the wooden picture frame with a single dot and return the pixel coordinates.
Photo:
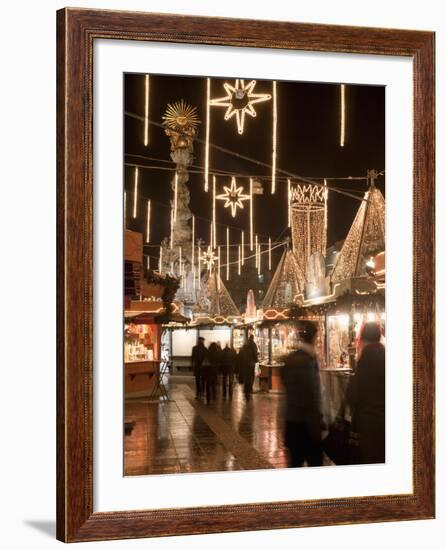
(77, 29)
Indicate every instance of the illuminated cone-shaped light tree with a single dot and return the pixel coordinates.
(180, 125)
(214, 303)
(365, 238)
(308, 222)
(286, 286)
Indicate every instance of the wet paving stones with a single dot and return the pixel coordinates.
(185, 435)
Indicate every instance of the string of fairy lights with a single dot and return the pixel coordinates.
(239, 103)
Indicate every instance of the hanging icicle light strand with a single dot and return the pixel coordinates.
(239, 260)
(227, 253)
(160, 263)
(171, 228)
(243, 248)
(274, 155)
(135, 192)
(257, 251)
(259, 261)
(193, 251)
(148, 223)
(269, 253)
(146, 110)
(251, 213)
(175, 198)
(324, 245)
(208, 127)
(214, 223)
(342, 137)
(218, 268)
(289, 202)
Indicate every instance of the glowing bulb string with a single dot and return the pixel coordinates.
(208, 125)
(146, 110)
(342, 136)
(269, 253)
(257, 250)
(193, 251)
(243, 248)
(219, 266)
(175, 200)
(251, 213)
(259, 261)
(148, 223)
(160, 261)
(227, 253)
(274, 152)
(289, 203)
(239, 261)
(214, 211)
(171, 228)
(135, 192)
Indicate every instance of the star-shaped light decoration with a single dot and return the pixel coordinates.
(233, 197)
(208, 258)
(239, 101)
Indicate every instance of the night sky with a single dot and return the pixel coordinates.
(307, 145)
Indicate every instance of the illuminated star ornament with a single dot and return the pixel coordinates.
(233, 197)
(239, 101)
(208, 258)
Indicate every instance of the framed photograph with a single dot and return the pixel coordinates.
(236, 350)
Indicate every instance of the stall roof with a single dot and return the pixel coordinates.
(288, 282)
(214, 300)
(366, 236)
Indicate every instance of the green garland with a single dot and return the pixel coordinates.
(171, 285)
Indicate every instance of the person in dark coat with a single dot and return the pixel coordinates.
(198, 356)
(214, 356)
(248, 357)
(228, 363)
(300, 377)
(366, 396)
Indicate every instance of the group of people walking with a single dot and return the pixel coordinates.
(365, 398)
(210, 364)
(304, 425)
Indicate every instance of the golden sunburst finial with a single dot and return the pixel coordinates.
(180, 115)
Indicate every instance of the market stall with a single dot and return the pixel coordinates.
(142, 357)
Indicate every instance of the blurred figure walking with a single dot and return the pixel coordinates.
(214, 356)
(300, 376)
(366, 395)
(199, 352)
(247, 359)
(228, 362)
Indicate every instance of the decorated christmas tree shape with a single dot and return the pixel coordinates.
(287, 283)
(365, 238)
(214, 299)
